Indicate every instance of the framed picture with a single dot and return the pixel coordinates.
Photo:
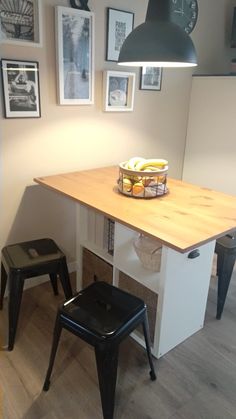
(119, 25)
(150, 78)
(118, 91)
(21, 22)
(21, 88)
(75, 56)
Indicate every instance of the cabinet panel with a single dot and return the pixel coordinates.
(95, 267)
(130, 285)
(96, 233)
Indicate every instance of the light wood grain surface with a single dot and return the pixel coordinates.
(183, 219)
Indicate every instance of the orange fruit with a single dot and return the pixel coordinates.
(138, 188)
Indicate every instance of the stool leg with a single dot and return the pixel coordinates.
(225, 273)
(107, 361)
(3, 284)
(16, 284)
(219, 263)
(65, 278)
(148, 345)
(56, 337)
(53, 279)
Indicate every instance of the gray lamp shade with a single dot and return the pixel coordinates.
(233, 34)
(158, 42)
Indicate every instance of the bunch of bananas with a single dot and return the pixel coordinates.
(141, 164)
(145, 184)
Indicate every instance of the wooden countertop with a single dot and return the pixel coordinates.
(183, 219)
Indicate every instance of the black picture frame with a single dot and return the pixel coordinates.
(119, 24)
(150, 78)
(21, 91)
(21, 22)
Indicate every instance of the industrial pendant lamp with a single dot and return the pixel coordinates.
(158, 42)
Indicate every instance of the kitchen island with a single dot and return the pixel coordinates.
(187, 221)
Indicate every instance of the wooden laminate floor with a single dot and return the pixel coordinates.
(196, 380)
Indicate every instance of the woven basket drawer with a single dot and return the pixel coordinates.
(150, 298)
(95, 268)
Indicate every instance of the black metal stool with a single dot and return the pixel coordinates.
(102, 315)
(26, 260)
(226, 254)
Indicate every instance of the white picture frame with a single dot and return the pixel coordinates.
(118, 91)
(75, 56)
(119, 24)
(21, 22)
(21, 88)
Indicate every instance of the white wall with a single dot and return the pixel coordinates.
(210, 157)
(68, 138)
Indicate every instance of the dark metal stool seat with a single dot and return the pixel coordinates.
(102, 315)
(226, 254)
(27, 260)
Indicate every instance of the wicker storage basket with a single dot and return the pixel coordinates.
(142, 184)
(149, 252)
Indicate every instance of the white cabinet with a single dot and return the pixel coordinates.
(178, 291)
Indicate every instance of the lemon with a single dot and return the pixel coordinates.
(127, 185)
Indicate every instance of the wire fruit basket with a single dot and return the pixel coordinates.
(142, 184)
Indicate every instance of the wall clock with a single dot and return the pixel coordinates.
(184, 13)
(82, 6)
